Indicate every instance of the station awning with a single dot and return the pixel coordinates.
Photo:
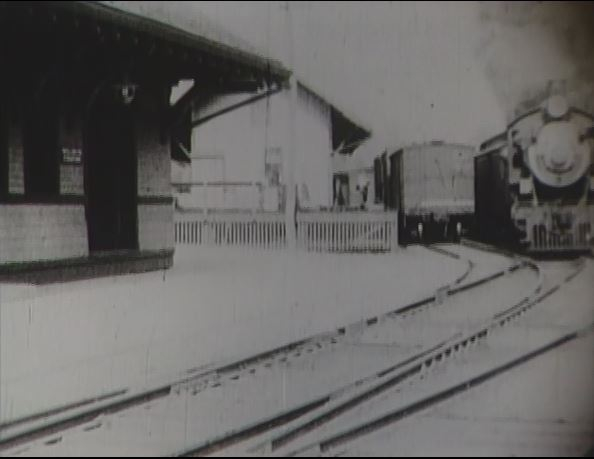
(190, 48)
(347, 134)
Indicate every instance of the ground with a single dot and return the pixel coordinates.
(541, 407)
(64, 342)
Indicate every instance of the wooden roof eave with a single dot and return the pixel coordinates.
(262, 68)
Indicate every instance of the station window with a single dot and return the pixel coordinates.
(40, 142)
(341, 190)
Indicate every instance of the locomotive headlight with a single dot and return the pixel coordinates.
(558, 158)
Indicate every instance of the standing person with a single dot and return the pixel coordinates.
(364, 194)
(363, 188)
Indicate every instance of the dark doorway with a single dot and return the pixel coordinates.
(341, 190)
(40, 142)
(110, 178)
(394, 191)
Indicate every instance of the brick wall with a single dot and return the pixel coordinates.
(154, 160)
(71, 180)
(155, 219)
(155, 226)
(36, 231)
(71, 138)
(16, 173)
(31, 232)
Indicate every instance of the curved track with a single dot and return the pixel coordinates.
(435, 385)
(334, 395)
(40, 425)
(342, 402)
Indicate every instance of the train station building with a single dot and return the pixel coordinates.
(249, 170)
(87, 127)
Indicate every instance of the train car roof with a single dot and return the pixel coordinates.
(492, 141)
(432, 143)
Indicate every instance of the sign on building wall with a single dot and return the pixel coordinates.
(273, 166)
(71, 155)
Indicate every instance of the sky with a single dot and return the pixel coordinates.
(420, 71)
(407, 71)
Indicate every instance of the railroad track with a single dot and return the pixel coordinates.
(330, 407)
(13, 436)
(324, 340)
(61, 409)
(327, 444)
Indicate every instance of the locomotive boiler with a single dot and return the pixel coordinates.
(534, 183)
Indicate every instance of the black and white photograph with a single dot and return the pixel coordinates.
(283, 228)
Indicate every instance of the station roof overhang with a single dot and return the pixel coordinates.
(75, 30)
(347, 134)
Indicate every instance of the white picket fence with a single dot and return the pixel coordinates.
(319, 231)
(265, 230)
(356, 231)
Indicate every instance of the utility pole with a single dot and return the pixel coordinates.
(292, 151)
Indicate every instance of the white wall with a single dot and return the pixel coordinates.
(181, 172)
(314, 146)
(242, 136)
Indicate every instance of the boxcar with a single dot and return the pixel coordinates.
(432, 187)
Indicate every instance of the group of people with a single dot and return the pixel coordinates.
(341, 192)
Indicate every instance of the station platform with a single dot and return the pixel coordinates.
(110, 263)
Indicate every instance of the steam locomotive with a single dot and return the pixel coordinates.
(534, 183)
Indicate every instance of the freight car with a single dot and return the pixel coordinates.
(535, 181)
(431, 185)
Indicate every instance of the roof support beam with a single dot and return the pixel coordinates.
(209, 89)
(232, 107)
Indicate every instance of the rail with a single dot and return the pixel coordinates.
(213, 378)
(21, 432)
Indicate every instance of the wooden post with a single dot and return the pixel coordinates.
(291, 196)
(394, 233)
